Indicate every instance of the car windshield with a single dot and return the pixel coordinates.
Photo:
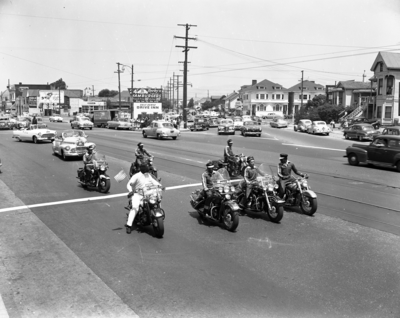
(226, 121)
(306, 122)
(40, 126)
(320, 123)
(124, 119)
(167, 125)
(23, 118)
(73, 133)
(84, 118)
(249, 123)
(368, 128)
(280, 120)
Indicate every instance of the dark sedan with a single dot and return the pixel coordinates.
(361, 132)
(251, 128)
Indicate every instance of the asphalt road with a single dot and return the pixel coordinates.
(343, 262)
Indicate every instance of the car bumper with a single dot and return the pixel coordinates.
(166, 135)
(252, 132)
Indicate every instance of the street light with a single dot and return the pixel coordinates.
(132, 72)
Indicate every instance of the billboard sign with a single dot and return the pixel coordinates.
(146, 108)
(32, 101)
(146, 94)
(51, 97)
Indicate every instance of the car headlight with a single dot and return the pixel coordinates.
(67, 148)
(39, 134)
(227, 196)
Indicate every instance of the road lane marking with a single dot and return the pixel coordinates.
(3, 309)
(342, 150)
(38, 205)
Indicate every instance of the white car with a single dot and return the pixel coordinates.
(82, 123)
(56, 118)
(71, 143)
(161, 129)
(238, 123)
(35, 133)
(319, 127)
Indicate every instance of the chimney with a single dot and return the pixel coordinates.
(253, 82)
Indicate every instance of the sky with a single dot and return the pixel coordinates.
(81, 41)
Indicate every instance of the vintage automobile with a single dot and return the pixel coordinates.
(189, 124)
(199, 124)
(238, 123)
(82, 123)
(161, 129)
(302, 125)
(213, 122)
(6, 123)
(361, 132)
(23, 121)
(71, 143)
(35, 133)
(278, 122)
(56, 118)
(226, 127)
(319, 127)
(391, 131)
(250, 127)
(119, 123)
(383, 151)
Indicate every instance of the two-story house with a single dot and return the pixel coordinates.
(310, 90)
(263, 97)
(231, 101)
(386, 68)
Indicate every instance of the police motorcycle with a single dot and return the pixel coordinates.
(98, 178)
(222, 209)
(150, 211)
(299, 193)
(238, 169)
(147, 161)
(264, 197)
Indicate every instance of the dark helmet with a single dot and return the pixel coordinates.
(144, 168)
(140, 145)
(283, 156)
(91, 147)
(210, 164)
(250, 159)
(229, 141)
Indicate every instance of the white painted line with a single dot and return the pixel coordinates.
(3, 310)
(342, 150)
(38, 205)
(162, 154)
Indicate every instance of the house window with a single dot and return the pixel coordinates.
(257, 96)
(379, 112)
(262, 96)
(283, 96)
(258, 108)
(388, 112)
(380, 86)
(278, 96)
(266, 96)
(273, 96)
(381, 67)
(389, 85)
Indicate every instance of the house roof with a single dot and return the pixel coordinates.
(217, 97)
(264, 83)
(232, 96)
(308, 85)
(73, 93)
(391, 60)
(354, 85)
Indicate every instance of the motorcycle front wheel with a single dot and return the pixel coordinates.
(308, 205)
(158, 226)
(231, 220)
(104, 185)
(275, 214)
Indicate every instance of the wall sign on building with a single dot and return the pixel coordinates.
(146, 94)
(148, 108)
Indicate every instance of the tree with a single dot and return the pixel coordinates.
(60, 84)
(191, 103)
(104, 93)
(113, 93)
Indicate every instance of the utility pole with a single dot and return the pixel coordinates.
(364, 76)
(301, 89)
(93, 90)
(177, 91)
(186, 49)
(173, 90)
(119, 86)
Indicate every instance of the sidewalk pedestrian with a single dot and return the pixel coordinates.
(332, 124)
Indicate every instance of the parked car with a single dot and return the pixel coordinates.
(23, 122)
(272, 115)
(246, 117)
(238, 122)
(35, 133)
(361, 132)
(213, 122)
(6, 123)
(226, 127)
(278, 122)
(56, 118)
(319, 127)
(383, 151)
(363, 120)
(119, 123)
(161, 129)
(82, 123)
(250, 127)
(190, 124)
(303, 125)
(71, 143)
(199, 124)
(391, 131)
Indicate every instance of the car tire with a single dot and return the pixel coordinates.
(259, 135)
(353, 160)
(174, 138)
(116, 127)
(346, 136)
(398, 166)
(35, 140)
(327, 134)
(233, 133)
(63, 156)
(144, 135)
(158, 136)
(90, 128)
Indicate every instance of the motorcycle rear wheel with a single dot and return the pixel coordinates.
(275, 214)
(231, 220)
(309, 205)
(104, 188)
(158, 226)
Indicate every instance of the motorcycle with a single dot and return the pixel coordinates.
(264, 197)
(150, 211)
(299, 193)
(222, 209)
(237, 170)
(147, 161)
(98, 178)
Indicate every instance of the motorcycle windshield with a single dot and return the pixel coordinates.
(100, 158)
(221, 177)
(265, 175)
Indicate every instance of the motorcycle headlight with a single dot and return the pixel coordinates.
(152, 200)
(227, 196)
(304, 184)
(270, 188)
(102, 168)
(276, 186)
(220, 189)
(67, 148)
(226, 189)
(232, 188)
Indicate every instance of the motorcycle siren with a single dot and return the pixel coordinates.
(250, 159)
(210, 164)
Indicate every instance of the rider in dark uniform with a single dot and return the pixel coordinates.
(229, 156)
(207, 182)
(250, 175)
(140, 153)
(285, 168)
(89, 160)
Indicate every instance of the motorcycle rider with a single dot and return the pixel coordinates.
(285, 168)
(207, 182)
(89, 161)
(250, 175)
(140, 152)
(229, 156)
(137, 182)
